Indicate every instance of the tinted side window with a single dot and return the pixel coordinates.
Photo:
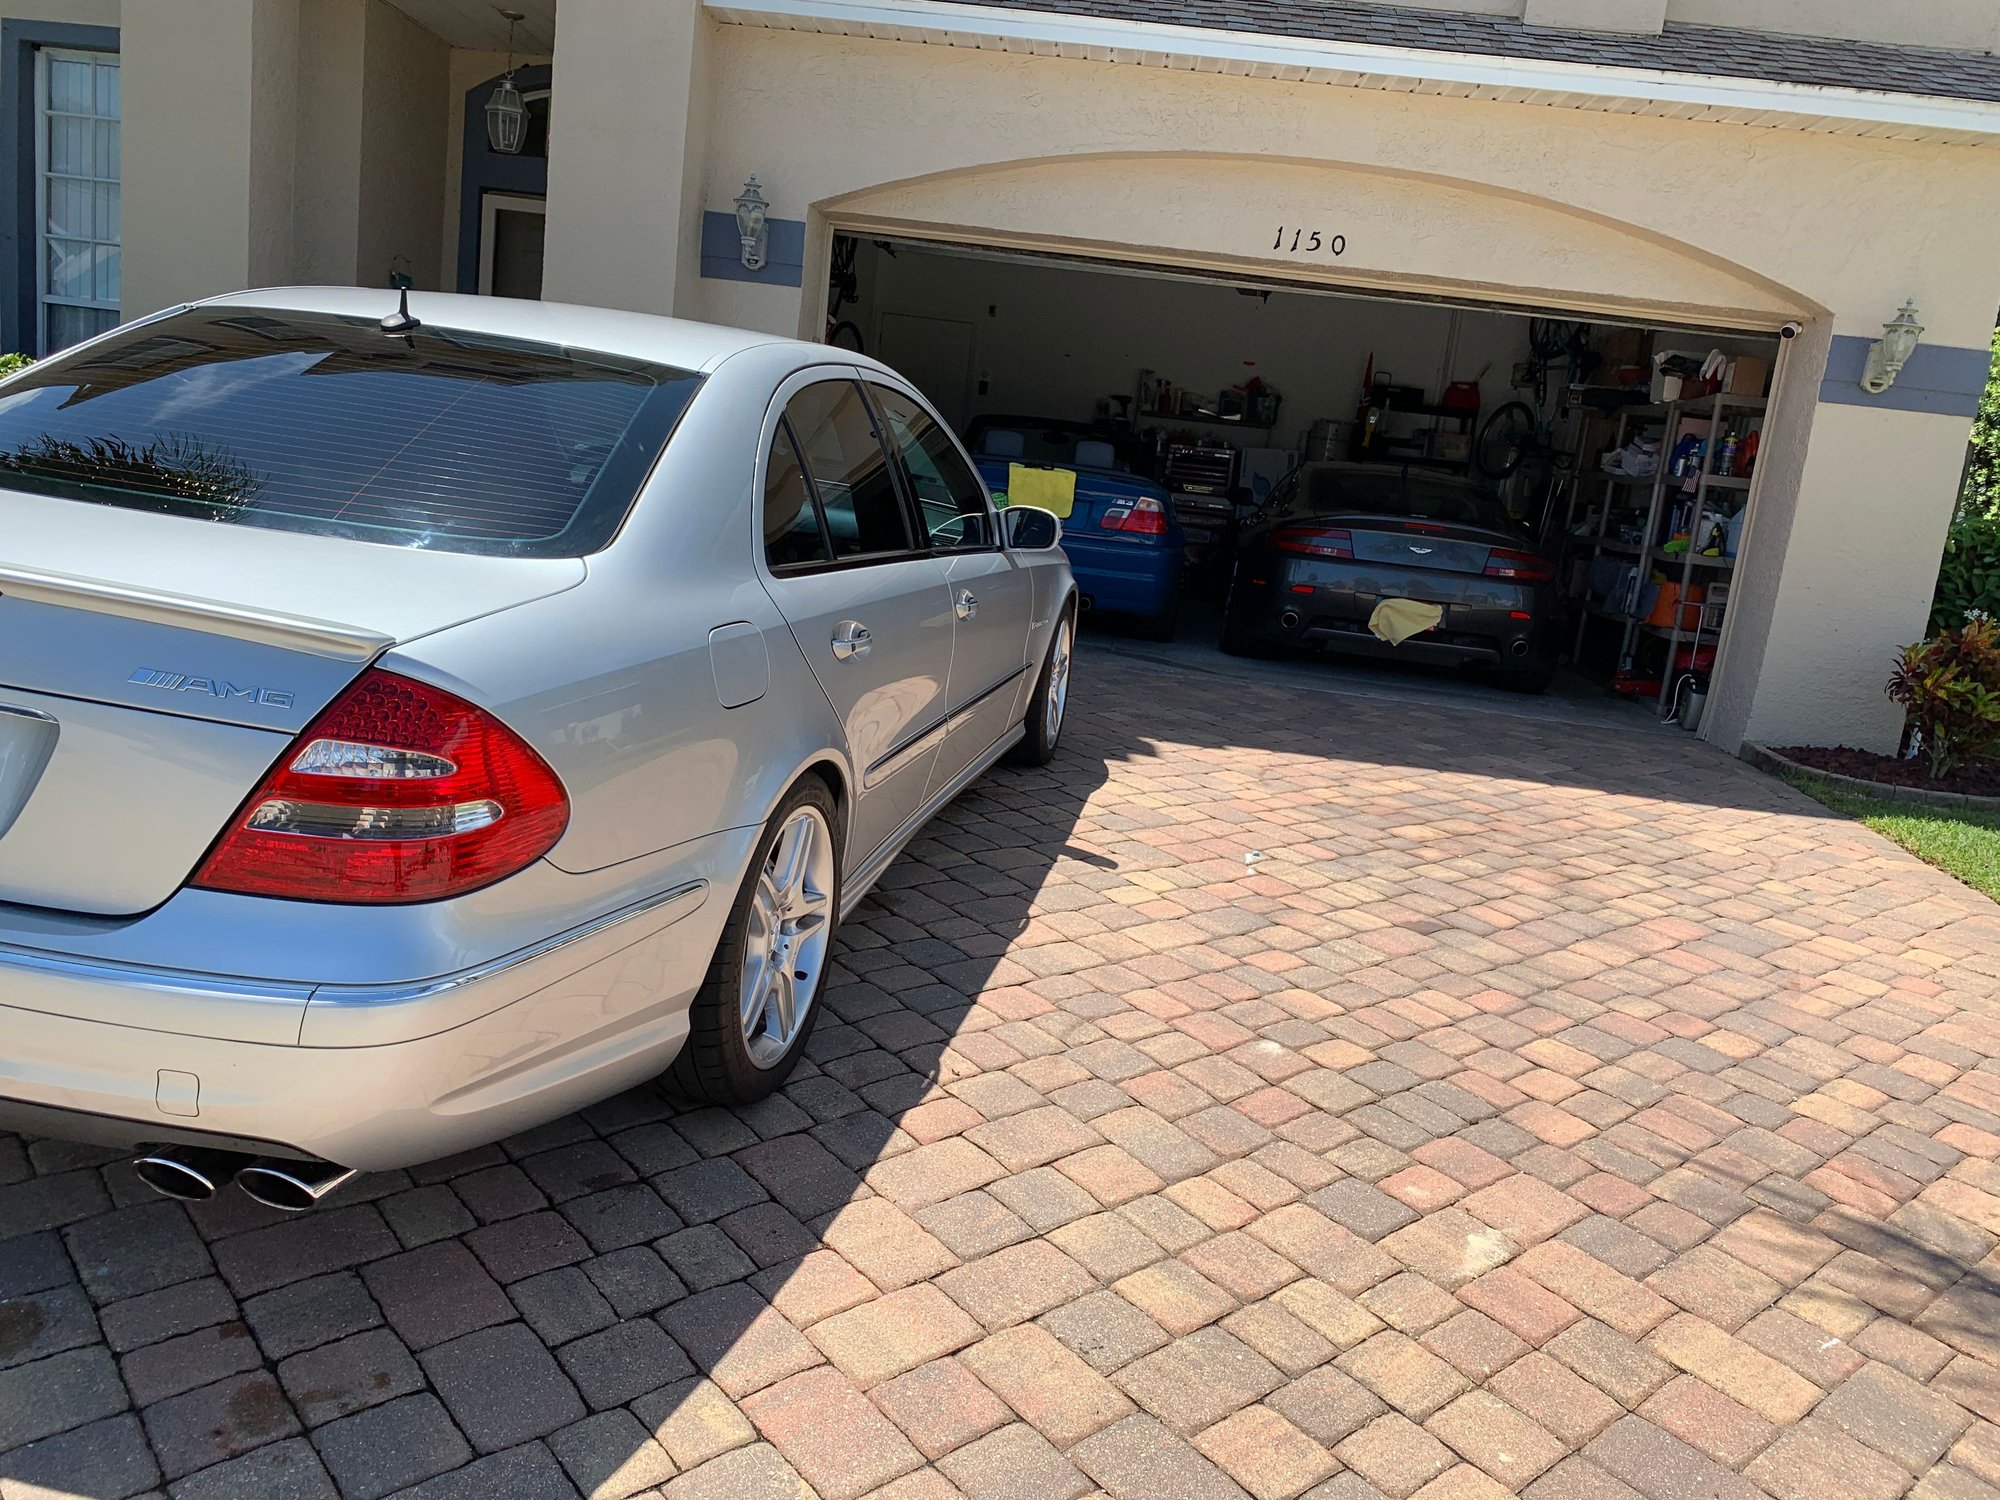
(850, 472)
(792, 534)
(949, 497)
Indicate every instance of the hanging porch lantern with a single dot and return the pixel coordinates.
(506, 110)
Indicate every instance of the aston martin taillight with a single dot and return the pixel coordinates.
(1314, 541)
(1522, 567)
(397, 792)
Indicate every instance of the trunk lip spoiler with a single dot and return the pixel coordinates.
(325, 638)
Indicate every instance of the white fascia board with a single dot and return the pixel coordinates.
(1577, 85)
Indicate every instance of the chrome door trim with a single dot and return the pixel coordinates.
(861, 880)
(956, 721)
(906, 750)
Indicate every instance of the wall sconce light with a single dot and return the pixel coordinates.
(751, 227)
(1888, 354)
(506, 110)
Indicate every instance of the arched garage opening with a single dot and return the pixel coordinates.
(1486, 374)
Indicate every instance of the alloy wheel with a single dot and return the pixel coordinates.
(785, 942)
(1058, 679)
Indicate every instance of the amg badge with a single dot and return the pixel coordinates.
(215, 687)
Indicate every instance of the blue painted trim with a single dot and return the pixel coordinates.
(18, 41)
(484, 170)
(1939, 379)
(722, 251)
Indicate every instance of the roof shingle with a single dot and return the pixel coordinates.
(1715, 51)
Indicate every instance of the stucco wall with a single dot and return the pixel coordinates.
(326, 200)
(1643, 218)
(78, 12)
(402, 149)
(1970, 24)
(208, 165)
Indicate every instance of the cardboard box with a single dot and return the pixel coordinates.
(1748, 376)
(1626, 346)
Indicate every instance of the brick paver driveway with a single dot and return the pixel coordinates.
(1280, 1093)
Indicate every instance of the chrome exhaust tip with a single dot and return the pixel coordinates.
(291, 1186)
(1518, 648)
(1289, 619)
(193, 1174)
(1084, 603)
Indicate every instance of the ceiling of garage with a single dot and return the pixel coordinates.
(478, 23)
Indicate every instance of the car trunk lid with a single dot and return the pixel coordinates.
(1422, 544)
(153, 667)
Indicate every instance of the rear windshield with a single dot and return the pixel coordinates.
(1395, 492)
(306, 422)
(1065, 445)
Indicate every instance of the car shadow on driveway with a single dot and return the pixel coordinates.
(1083, 986)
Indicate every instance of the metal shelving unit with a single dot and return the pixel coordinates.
(1706, 483)
(1660, 491)
(1613, 487)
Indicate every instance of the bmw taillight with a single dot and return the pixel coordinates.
(1144, 515)
(397, 792)
(1522, 567)
(1313, 541)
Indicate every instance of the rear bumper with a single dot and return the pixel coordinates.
(1328, 604)
(1132, 577)
(370, 1076)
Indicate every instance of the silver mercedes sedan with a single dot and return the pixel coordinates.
(415, 726)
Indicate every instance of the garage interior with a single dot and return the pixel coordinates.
(1626, 456)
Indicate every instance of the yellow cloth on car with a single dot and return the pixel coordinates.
(1053, 490)
(1396, 620)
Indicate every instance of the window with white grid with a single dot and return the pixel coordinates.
(76, 171)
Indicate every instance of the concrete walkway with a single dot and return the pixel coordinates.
(1283, 1093)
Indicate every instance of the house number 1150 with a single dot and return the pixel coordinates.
(1309, 242)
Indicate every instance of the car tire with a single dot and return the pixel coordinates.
(1049, 706)
(732, 1056)
(1238, 638)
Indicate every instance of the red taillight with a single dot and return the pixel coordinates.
(1144, 515)
(1523, 567)
(1313, 541)
(398, 791)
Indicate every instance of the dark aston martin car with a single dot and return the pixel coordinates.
(1337, 539)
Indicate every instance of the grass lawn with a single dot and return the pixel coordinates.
(1961, 842)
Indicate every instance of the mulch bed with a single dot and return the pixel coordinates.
(1978, 778)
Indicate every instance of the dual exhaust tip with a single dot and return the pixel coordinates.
(195, 1174)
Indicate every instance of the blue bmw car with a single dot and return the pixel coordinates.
(1124, 545)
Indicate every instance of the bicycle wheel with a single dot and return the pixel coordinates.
(1505, 440)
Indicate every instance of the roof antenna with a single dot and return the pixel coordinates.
(401, 320)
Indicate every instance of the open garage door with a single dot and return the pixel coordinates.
(1263, 467)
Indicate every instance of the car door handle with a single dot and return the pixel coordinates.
(968, 604)
(851, 638)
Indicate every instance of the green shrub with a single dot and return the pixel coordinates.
(1969, 573)
(9, 363)
(1950, 687)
